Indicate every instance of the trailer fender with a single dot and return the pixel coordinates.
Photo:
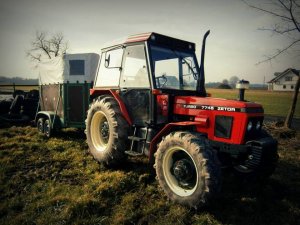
(54, 119)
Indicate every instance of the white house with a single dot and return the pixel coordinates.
(285, 81)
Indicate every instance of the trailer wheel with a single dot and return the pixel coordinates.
(40, 125)
(106, 131)
(47, 128)
(187, 169)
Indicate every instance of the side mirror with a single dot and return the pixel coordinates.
(107, 60)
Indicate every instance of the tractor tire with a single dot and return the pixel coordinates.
(261, 173)
(106, 131)
(188, 169)
(40, 125)
(47, 128)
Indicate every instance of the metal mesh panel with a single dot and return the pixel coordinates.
(50, 99)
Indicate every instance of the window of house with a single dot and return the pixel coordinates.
(292, 87)
(284, 86)
(288, 78)
(76, 67)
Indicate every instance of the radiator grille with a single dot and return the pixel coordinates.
(223, 126)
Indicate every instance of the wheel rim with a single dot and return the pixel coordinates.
(100, 131)
(180, 171)
(47, 128)
(40, 126)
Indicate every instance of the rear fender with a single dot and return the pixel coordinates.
(94, 93)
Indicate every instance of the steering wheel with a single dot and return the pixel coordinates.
(165, 79)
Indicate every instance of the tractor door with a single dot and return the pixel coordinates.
(135, 86)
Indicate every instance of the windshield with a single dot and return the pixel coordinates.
(174, 69)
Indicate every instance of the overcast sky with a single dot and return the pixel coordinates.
(234, 46)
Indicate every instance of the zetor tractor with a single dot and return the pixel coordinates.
(149, 99)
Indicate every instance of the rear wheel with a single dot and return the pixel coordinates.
(187, 169)
(106, 131)
(40, 125)
(47, 128)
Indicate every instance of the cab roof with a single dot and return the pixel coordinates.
(154, 38)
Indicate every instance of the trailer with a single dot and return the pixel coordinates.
(64, 86)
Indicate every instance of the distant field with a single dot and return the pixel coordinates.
(274, 103)
(10, 88)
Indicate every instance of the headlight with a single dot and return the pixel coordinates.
(249, 126)
(258, 125)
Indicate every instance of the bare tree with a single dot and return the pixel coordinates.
(287, 23)
(287, 13)
(47, 47)
(225, 81)
(289, 118)
(233, 80)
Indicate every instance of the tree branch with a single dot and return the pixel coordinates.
(42, 46)
(277, 30)
(292, 16)
(267, 11)
(279, 51)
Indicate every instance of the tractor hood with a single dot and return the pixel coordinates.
(216, 104)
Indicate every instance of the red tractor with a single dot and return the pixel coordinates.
(149, 99)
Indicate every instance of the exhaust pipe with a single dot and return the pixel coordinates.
(242, 85)
(201, 78)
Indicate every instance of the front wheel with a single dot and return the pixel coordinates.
(187, 169)
(259, 163)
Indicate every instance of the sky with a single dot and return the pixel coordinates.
(233, 48)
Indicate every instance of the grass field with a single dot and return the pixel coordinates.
(56, 181)
(274, 103)
(10, 88)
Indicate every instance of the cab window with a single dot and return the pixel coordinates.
(134, 69)
(109, 71)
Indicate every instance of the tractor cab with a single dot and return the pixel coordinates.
(144, 70)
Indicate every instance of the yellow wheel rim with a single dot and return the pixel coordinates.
(100, 131)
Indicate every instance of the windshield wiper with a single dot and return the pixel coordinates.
(186, 62)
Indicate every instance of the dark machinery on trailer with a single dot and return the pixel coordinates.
(21, 108)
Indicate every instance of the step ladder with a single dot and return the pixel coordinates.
(134, 139)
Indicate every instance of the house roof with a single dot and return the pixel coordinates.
(280, 75)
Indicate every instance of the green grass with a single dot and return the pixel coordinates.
(274, 103)
(56, 181)
(4, 89)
